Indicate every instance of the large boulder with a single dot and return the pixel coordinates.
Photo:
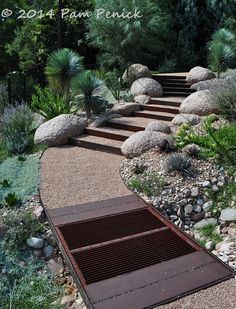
(211, 84)
(186, 118)
(198, 74)
(134, 72)
(158, 126)
(125, 109)
(146, 86)
(142, 141)
(58, 130)
(142, 99)
(199, 103)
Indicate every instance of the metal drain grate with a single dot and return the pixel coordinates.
(91, 232)
(125, 256)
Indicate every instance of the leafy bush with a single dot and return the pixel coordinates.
(88, 89)
(23, 176)
(113, 81)
(48, 105)
(179, 163)
(169, 65)
(16, 125)
(20, 226)
(22, 285)
(225, 98)
(127, 96)
(216, 142)
(149, 183)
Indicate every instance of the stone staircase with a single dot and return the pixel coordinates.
(117, 130)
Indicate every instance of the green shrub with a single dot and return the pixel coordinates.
(222, 51)
(12, 199)
(20, 226)
(23, 286)
(113, 81)
(48, 105)
(16, 126)
(209, 232)
(88, 89)
(149, 183)
(179, 163)
(168, 65)
(215, 142)
(225, 98)
(5, 183)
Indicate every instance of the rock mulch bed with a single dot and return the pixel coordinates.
(187, 201)
(183, 200)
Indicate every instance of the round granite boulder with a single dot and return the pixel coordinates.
(198, 74)
(186, 118)
(199, 103)
(158, 126)
(125, 108)
(146, 86)
(58, 130)
(142, 99)
(142, 141)
(134, 72)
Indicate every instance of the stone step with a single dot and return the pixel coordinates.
(111, 133)
(181, 76)
(168, 100)
(161, 108)
(154, 115)
(134, 124)
(97, 143)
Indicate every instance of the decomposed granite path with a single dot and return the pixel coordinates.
(72, 176)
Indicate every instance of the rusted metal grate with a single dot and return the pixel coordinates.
(98, 230)
(124, 254)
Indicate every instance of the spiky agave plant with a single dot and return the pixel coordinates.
(222, 50)
(88, 89)
(62, 67)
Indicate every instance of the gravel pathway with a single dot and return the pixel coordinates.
(221, 296)
(73, 175)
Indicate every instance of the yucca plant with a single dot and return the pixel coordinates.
(62, 67)
(222, 51)
(88, 89)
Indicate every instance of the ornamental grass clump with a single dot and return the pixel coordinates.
(179, 163)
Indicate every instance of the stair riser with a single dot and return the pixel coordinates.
(175, 85)
(125, 127)
(176, 94)
(95, 146)
(113, 136)
(172, 77)
(151, 116)
(160, 109)
(172, 89)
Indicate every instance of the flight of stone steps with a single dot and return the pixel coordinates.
(117, 130)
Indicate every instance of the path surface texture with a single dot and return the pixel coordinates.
(72, 176)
